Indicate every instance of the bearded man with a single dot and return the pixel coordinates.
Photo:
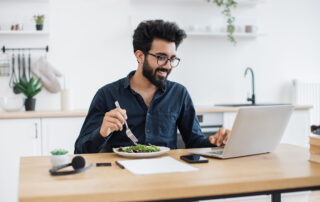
(153, 106)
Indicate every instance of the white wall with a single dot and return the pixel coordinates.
(90, 42)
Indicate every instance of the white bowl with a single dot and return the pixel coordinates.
(12, 104)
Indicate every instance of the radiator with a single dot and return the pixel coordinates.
(308, 93)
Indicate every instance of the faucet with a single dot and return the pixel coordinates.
(253, 98)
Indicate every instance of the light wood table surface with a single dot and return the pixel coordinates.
(287, 168)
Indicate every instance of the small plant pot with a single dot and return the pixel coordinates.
(30, 104)
(57, 160)
(39, 27)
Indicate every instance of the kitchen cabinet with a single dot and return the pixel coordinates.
(60, 133)
(32, 137)
(20, 137)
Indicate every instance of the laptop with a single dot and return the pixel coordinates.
(256, 130)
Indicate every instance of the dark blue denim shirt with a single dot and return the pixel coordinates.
(170, 108)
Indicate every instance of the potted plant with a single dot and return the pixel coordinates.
(39, 19)
(59, 157)
(29, 89)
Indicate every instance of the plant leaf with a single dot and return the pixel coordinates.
(37, 83)
(23, 82)
(29, 89)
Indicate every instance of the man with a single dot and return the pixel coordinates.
(152, 106)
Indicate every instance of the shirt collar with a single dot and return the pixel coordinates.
(126, 82)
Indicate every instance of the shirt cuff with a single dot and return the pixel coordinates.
(108, 137)
(97, 138)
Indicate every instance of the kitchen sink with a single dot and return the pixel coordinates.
(249, 104)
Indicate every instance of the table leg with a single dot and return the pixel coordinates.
(276, 197)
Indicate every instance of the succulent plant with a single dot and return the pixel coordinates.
(28, 88)
(59, 152)
(39, 19)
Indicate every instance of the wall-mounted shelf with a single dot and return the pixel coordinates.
(250, 2)
(23, 32)
(240, 2)
(221, 34)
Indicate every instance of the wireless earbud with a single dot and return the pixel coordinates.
(77, 163)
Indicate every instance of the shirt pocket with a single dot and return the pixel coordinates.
(165, 124)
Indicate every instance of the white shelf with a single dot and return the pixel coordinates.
(23, 32)
(221, 34)
(240, 2)
(250, 2)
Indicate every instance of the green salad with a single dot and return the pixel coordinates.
(139, 148)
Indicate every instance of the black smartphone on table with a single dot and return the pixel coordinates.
(194, 158)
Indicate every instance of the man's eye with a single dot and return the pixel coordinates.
(162, 58)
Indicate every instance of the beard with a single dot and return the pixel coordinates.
(151, 75)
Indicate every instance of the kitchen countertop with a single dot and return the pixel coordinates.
(42, 114)
(210, 109)
(82, 113)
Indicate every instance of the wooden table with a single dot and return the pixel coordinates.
(285, 170)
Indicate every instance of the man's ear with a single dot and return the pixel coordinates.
(140, 56)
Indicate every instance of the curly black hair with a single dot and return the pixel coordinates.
(151, 29)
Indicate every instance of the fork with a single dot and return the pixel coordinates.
(128, 131)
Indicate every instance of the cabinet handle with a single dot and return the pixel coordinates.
(36, 130)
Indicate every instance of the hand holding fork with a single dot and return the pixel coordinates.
(128, 131)
(114, 120)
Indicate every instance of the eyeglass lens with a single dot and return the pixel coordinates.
(315, 129)
(162, 60)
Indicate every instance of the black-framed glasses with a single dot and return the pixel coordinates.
(163, 60)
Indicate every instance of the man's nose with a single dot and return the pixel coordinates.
(167, 65)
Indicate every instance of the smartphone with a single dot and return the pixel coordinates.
(194, 158)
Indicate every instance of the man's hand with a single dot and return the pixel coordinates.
(220, 138)
(113, 121)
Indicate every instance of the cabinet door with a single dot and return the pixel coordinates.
(60, 133)
(19, 137)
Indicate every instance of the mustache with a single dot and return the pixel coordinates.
(162, 69)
